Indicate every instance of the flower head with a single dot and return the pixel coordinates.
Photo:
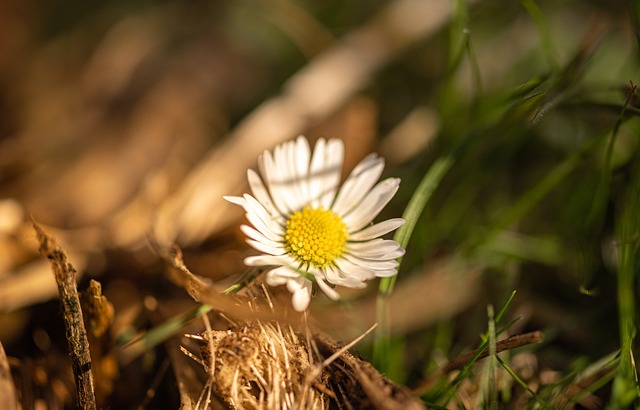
(309, 231)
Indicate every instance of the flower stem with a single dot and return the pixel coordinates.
(429, 183)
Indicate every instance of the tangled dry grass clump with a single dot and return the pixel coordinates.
(258, 365)
(262, 364)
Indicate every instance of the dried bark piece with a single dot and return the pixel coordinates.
(98, 310)
(379, 392)
(65, 275)
(98, 316)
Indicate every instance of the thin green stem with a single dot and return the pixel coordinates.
(414, 209)
(491, 387)
(429, 183)
(523, 384)
(246, 278)
(159, 334)
(451, 389)
(545, 35)
(625, 386)
(595, 218)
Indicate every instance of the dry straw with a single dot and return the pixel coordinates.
(262, 364)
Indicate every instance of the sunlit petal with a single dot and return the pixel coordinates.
(377, 230)
(372, 204)
(359, 182)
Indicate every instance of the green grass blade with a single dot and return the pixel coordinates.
(449, 97)
(134, 348)
(524, 385)
(625, 386)
(543, 30)
(452, 388)
(593, 387)
(429, 183)
(491, 386)
(504, 307)
(247, 277)
(596, 214)
(414, 209)
(635, 18)
(538, 192)
(458, 34)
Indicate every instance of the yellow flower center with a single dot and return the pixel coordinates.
(315, 236)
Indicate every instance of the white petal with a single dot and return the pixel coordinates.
(267, 170)
(262, 227)
(353, 270)
(325, 170)
(328, 290)
(294, 284)
(301, 298)
(299, 286)
(335, 153)
(273, 178)
(267, 260)
(262, 247)
(337, 277)
(377, 230)
(282, 179)
(331, 275)
(386, 273)
(303, 156)
(238, 200)
(255, 207)
(317, 272)
(301, 163)
(316, 181)
(395, 254)
(372, 204)
(257, 236)
(285, 173)
(279, 276)
(254, 216)
(291, 180)
(301, 289)
(373, 249)
(260, 192)
(359, 182)
(371, 264)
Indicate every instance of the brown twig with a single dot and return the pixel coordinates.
(461, 361)
(8, 397)
(65, 275)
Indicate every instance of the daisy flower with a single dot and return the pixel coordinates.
(310, 232)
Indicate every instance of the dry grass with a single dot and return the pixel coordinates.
(259, 364)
